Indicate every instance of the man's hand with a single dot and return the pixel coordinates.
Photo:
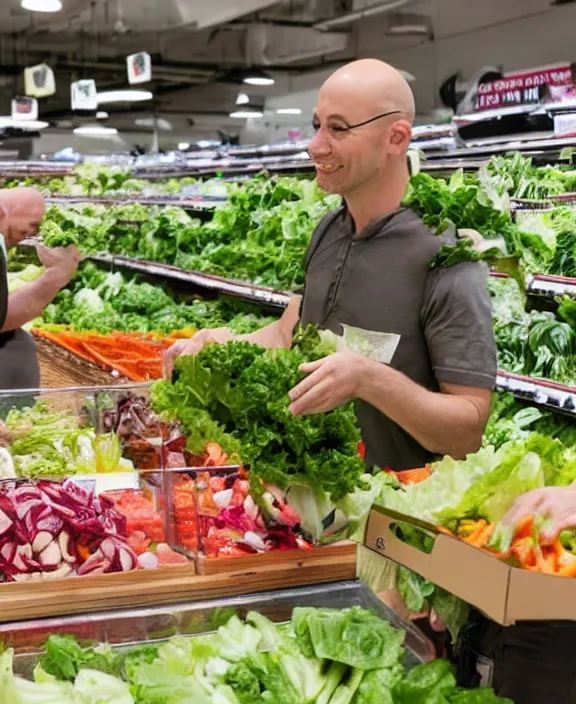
(193, 346)
(62, 261)
(556, 504)
(331, 382)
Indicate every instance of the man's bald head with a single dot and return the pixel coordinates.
(363, 122)
(21, 212)
(373, 85)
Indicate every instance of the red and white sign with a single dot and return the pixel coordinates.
(523, 86)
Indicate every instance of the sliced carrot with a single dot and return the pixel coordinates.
(413, 476)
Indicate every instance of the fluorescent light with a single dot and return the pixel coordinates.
(246, 113)
(288, 111)
(123, 96)
(23, 124)
(42, 5)
(259, 81)
(95, 131)
(182, 146)
(242, 99)
(206, 143)
(102, 115)
(408, 30)
(257, 77)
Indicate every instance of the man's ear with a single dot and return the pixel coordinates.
(400, 137)
(4, 220)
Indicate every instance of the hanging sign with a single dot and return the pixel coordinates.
(39, 81)
(523, 87)
(139, 68)
(83, 95)
(24, 108)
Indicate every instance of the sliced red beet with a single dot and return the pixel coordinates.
(5, 523)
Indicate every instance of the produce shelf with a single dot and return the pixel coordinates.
(177, 583)
(545, 285)
(548, 394)
(188, 203)
(241, 289)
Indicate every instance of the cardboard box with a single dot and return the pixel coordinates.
(505, 594)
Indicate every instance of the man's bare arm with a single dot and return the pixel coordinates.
(28, 303)
(279, 333)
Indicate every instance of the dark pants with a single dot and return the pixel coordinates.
(19, 367)
(532, 662)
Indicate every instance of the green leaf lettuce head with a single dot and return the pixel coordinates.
(355, 637)
(237, 394)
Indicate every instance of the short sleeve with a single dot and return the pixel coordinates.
(457, 320)
(3, 286)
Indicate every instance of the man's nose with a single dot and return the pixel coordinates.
(319, 145)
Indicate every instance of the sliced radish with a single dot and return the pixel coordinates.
(51, 557)
(223, 498)
(255, 541)
(64, 544)
(148, 561)
(41, 541)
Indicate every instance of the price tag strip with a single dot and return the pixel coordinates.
(544, 393)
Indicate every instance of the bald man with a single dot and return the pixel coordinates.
(425, 387)
(21, 212)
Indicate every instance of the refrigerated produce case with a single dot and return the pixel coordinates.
(128, 627)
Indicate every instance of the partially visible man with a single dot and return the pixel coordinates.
(532, 662)
(21, 212)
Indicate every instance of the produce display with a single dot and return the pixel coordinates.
(42, 441)
(101, 301)
(322, 656)
(243, 476)
(259, 235)
(50, 530)
(534, 343)
(96, 180)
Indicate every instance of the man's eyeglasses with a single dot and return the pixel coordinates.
(347, 128)
(373, 119)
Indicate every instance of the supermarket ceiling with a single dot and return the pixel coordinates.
(199, 48)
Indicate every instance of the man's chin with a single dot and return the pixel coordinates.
(329, 185)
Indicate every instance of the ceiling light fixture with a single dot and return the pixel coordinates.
(95, 131)
(403, 30)
(242, 99)
(123, 96)
(23, 124)
(288, 111)
(183, 146)
(102, 115)
(257, 77)
(42, 5)
(246, 113)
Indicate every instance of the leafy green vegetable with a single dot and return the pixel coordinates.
(237, 394)
(245, 663)
(354, 637)
(103, 302)
(64, 658)
(414, 590)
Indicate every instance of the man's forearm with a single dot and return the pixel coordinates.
(28, 303)
(442, 423)
(279, 333)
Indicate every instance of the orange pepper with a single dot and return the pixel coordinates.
(525, 527)
(525, 553)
